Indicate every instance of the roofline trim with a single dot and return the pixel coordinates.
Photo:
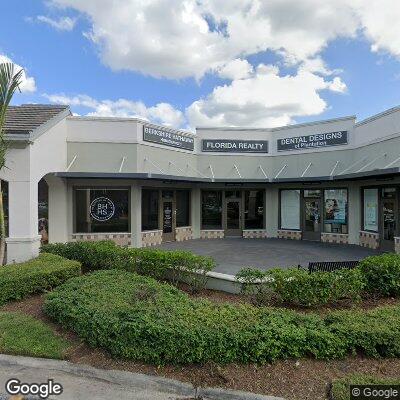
(49, 124)
(379, 115)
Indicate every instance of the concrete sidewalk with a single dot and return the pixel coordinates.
(84, 382)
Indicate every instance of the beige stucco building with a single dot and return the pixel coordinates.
(89, 178)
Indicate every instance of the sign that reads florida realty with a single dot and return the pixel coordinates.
(166, 138)
(313, 141)
(235, 146)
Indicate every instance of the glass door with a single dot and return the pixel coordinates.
(233, 217)
(312, 216)
(168, 214)
(388, 219)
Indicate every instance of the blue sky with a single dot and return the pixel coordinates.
(207, 64)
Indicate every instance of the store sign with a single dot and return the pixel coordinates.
(234, 146)
(313, 141)
(166, 138)
(102, 209)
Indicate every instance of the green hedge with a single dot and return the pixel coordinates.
(298, 287)
(160, 264)
(340, 389)
(382, 274)
(136, 317)
(38, 275)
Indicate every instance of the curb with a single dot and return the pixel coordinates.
(136, 380)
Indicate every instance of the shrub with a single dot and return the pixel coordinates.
(136, 317)
(341, 387)
(159, 264)
(93, 256)
(298, 287)
(382, 274)
(38, 275)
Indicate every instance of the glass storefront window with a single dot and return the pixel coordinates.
(182, 208)
(211, 209)
(370, 210)
(290, 209)
(335, 211)
(43, 210)
(101, 210)
(254, 209)
(150, 209)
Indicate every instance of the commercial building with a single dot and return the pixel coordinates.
(139, 184)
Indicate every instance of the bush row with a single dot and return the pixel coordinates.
(376, 275)
(300, 288)
(138, 318)
(38, 275)
(160, 264)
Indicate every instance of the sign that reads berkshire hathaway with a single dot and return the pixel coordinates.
(166, 138)
(312, 141)
(235, 146)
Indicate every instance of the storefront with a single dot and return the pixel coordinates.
(89, 178)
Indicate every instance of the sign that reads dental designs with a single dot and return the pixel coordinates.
(166, 138)
(313, 141)
(235, 146)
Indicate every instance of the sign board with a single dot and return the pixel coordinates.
(234, 146)
(167, 138)
(102, 209)
(313, 141)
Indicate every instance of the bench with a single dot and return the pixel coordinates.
(330, 266)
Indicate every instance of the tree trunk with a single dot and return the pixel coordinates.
(2, 229)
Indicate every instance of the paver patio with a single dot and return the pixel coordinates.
(233, 254)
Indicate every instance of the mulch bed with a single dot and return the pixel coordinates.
(304, 379)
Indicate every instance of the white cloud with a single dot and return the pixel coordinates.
(265, 99)
(162, 113)
(236, 69)
(61, 24)
(28, 84)
(178, 39)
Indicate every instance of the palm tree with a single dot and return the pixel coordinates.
(10, 80)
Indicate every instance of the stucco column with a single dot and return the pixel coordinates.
(58, 209)
(136, 215)
(271, 211)
(195, 204)
(354, 213)
(23, 241)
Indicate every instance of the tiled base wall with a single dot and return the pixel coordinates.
(397, 245)
(369, 239)
(212, 234)
(183, 233)
(288, 234)
(338, 238)
(151, 238)
(122, 239)
(254, 233)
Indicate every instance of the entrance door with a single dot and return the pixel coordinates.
(388, 219)
(233, 217)
(312, 219)
(168, 220)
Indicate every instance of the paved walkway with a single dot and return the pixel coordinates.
(81, 382)
(233, 254)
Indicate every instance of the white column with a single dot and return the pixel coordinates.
(271, 210)
(136, 215)
(195, 212)
(23, 241)
(354, 210)
(58, 209)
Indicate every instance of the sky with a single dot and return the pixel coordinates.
(252, 63)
